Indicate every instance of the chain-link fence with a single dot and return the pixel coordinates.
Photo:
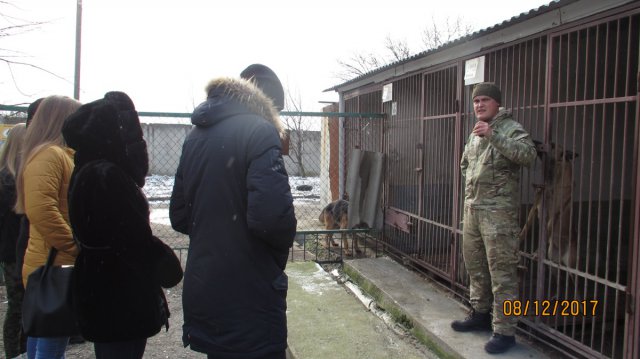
(316, 161)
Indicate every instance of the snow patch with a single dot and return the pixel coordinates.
(318, 283)
(160, 216)
(158, 190)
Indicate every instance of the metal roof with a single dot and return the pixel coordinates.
(514, 20)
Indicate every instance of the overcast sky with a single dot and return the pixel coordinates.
(162, 53)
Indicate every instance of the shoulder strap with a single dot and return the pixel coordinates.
(52, 256)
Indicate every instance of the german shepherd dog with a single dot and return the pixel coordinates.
(562, 247)
(335, 216)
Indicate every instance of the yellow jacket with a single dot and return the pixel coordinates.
(46, 182)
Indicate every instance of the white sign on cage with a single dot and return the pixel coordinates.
(474, 71)
(387, 92)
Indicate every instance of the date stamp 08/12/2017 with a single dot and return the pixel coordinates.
(550, 308)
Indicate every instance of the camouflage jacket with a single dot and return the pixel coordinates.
(491, 165)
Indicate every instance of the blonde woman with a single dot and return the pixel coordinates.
(42, 185)
(14, 342)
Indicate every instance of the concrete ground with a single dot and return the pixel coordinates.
(325, 320)
(425, 309)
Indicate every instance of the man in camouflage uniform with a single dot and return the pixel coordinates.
(495, 151)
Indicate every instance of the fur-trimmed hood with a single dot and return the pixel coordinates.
(246, 96)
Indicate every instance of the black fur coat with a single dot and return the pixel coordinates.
(122, 266)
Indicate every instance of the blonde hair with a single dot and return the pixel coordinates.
(10, 155)
(44, 130)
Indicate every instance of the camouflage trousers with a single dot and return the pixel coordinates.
(490, 249)
(12, 336)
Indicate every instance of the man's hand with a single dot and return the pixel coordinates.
(482, 129)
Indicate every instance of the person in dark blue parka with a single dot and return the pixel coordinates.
(232, 197)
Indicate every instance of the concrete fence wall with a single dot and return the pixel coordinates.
(310, 150)
(164, 144)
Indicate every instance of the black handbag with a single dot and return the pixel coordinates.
(46, 307)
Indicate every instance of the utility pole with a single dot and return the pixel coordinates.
(76, 81)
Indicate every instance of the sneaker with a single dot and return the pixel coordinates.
(475, 321)
(499, 343)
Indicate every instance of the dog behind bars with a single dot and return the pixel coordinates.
(562, 239)
(335, 216)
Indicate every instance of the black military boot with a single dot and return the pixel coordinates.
(475, 321)
(499, 343)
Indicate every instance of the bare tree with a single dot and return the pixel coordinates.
(436, 35)
(14, 26)
(360, 64)
(399, 49)
(433, 36)
(297, 126)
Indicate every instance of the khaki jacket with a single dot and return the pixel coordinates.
(46, 182)
(491, 165)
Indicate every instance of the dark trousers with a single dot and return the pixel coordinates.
(15, 342)
(133, 349)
